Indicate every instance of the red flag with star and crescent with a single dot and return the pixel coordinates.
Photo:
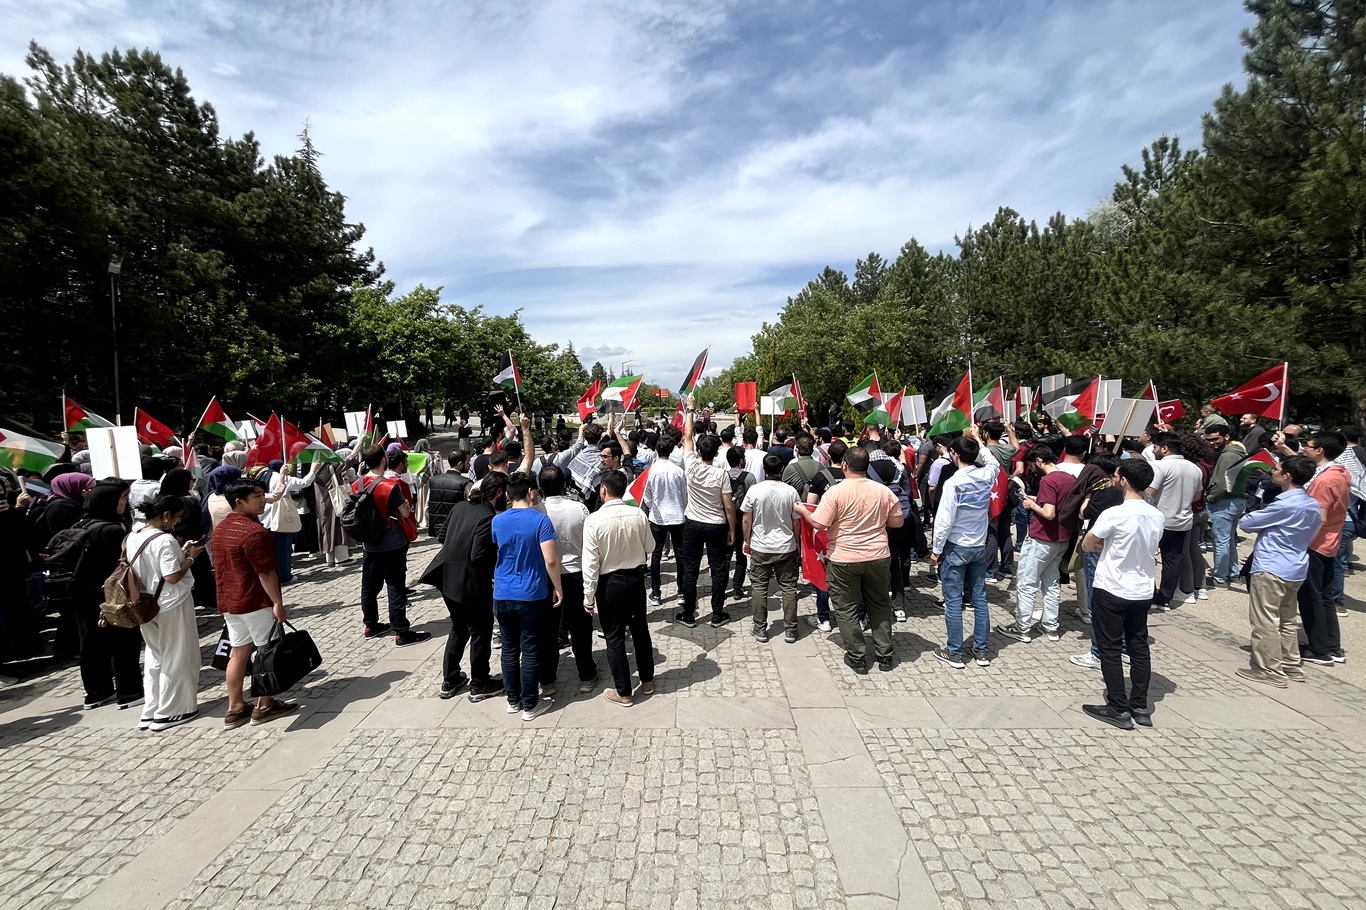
(1264, 396)
(1167, 411)
(152, 432)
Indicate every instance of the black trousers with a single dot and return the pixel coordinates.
(737, 552)
(572, 615)
(661, 534)
(1174, 562)
(389, 570)
(621, 606)
(109, 657)
(699, 538)
(471, 624)
(1115, 622)
(899, 543)
(1000, 550)
(1317, 611)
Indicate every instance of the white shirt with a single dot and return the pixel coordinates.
(1128, 564)
(706, 484)
(615, 537)
(1071, 467)
(162, 557)
(1177, 483)
(754, 461)
(965, 507)
(771, 502)
(666, 492)
(567, 515)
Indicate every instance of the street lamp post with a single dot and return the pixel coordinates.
(115, 267)
(624, 364)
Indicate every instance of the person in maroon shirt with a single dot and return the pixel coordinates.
(1042, 551)
(248, 581)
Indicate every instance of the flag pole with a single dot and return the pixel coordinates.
(62, 423)
(516, 382)
(1285, 374)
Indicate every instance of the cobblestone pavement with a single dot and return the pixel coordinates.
(757, 775)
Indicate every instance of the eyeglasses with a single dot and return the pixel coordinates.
(1310, 445)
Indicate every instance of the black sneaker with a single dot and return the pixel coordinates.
(1142, 718)
(1322, 660)
(790, 636)
(759, 633)
(885, 664)
(858, 665)
(1122, 719)
(719, 619)
(378, 630)
(166, 723)
(1339, 656)
(655, 599)
(448, 691)
(947, 657)
(411, 637)
(981, 658)
(1009, 630)
(686, 620)
(482, 690)
(738, 594)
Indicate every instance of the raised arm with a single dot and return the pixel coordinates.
(687, 424)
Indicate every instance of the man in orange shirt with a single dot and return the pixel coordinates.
(856, 514)
(1332, 490)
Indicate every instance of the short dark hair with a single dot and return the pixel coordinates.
(707, 447)
(513, 448)
(498, 458)
(804, 445)
(612, 448)
(994, 429)
(665, 448)
(1352, 432)
(750, 436)
(1106, 462)
(592, 433)
(1300, 469)
(238, 490)
(519, 486)
(373, 455)
(1332, 444)
(614, 482)
(1023, 430)
(856, 460)
(966, 448)
(838, 451)
(551, 480)
(773, 466)
(1166, 440)
(1137, 473)
(891, 448)
(1219, 429)
(847, 426)
(735, 456)
(1076, 446)
(728, 435)
(1042, 453)
(780, 434)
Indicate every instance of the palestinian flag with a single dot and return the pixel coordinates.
(888, 412)
(78, 418)
(24, 453)
(1255, 464)
(694, 376)
(313, 451)
(152, 432)
(635, 493)
(866, 393)
(586, 406)
(508, 374)
(789, 393)
(371, 433)
(620, 396)
(217, 422)
(1149, 392)
(953, 413)
(1074, 406)
(988, 402)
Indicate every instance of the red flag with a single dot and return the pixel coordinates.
(1149, 392)
(1000, 492)
(635, 493)
(270, 443)
(677, 422)
(152, 432)
(296, 440)
(586, 406)
(1264, 396)
(1167, 411)
(746, 397)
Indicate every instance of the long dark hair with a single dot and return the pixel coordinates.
(102, 502)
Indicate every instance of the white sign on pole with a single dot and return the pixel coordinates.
(770, 406)
(398, 429)
(114, 452)
(1110, 390)
(1026, 399)
(247, 430)
(913, 411)
(1128, 417)
(355, 424)
(1053, 383)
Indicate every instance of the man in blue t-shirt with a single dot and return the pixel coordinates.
(527, 571)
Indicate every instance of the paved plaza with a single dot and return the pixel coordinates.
(757, 776)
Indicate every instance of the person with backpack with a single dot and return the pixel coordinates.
(162, 566)
(381, 518)
(740, 480)
(62, 510)
(109, 654)
(803, 468)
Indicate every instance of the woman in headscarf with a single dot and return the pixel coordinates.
(19, 638)
(281, 517)
(216, 507)
(109, 654)
(420, 481)
(179, 482)
(329, 496)
(63, 509)
(235, 459)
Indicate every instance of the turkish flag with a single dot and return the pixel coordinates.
(677, 422)
(1263, 396)
(270, 443)
(153, 432)
(586, 406)
(1000, 492)
(1167, 411)
(746, 397)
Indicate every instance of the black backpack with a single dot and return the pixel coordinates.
(361, 518)
(62, 557)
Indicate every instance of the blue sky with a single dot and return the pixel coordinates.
(650, 178)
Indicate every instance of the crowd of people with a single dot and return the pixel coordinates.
(542, 533)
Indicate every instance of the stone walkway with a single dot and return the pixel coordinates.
(758, 775)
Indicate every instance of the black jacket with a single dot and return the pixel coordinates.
(446, 490)
(463, 569)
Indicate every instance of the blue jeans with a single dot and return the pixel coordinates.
(963, 568)
(822, 605)
(284, 554)
(1344, 558)
(519, 622)
(1223, 515)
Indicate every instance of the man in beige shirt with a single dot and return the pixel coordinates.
(616, 549)
(855, 514)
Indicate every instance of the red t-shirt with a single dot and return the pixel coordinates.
(242, 550)
(1053, 488)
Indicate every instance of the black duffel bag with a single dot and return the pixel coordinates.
(283, 660)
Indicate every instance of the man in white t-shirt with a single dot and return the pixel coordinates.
(1126, 536)
(771, 527)
(708, 524)
(1176, 485)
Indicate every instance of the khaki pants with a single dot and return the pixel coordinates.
(1273, 613)
(762, 567)
(851, 581)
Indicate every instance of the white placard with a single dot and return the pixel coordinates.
(768, 405)
(355, 424)
(114, 452)
(1128, 417)
(1052, 383)
(913, 411)
(247, 430)
(398, 429)
(1110, 390)
(1026, 401)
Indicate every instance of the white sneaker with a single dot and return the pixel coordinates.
(1087, 660)
(899, 615)
(821, 624)
(1201, 594)
(1190, 599)
(542, 706)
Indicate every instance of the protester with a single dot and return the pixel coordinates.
(1175, 487)
(1041, 555)
(1225, 503)
(1255, 438)
(19, 635)
(959, 550)
(162, 565)
(827, 478)
(385, 561)
(1331, 488)
(571, 621)
(447, 489)
(740, 479)
(708, 523)
(281, 518)
(249, 597)
(1280, 562)
(216, 505)
(1127, 537)
(109, 654)
(666, 496)
(1100, 495)
(62, 510)
(616, 544)
(1353, 460)
(771, 517)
